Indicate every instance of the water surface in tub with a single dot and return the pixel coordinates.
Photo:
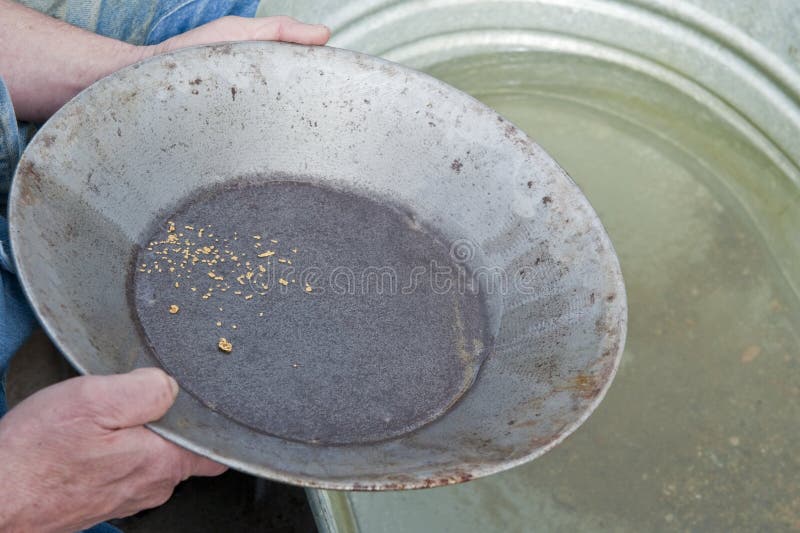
(699, 430)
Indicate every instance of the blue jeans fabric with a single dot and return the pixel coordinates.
(134, 21)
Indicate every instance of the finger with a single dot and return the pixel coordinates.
(169, 458)
(132, 399)
(202, 466)
(289, 30)
(184, 464)
(247, 29)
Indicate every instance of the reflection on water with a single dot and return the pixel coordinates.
(699, 432)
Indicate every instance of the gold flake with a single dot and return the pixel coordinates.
(224, 345)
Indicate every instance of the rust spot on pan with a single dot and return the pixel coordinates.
(48, 140)
(225, 49)
(29, 181)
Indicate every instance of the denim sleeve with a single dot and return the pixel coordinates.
(16, 317)
(142, 21)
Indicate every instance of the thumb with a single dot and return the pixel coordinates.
(232, 28)
(132, 399)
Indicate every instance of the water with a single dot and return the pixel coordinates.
(699, 432)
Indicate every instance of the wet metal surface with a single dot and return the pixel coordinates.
(121, 156)
(360, 344)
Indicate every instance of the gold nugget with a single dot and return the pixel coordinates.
(224, 345)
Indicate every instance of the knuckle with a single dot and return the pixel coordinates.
(130, 494)
(162, 494)
(150, 446)
(147, 496)
(87, 389)
(86, 398)
(165, 391)
(169, 462)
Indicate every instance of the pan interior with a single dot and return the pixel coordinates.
(348, 320)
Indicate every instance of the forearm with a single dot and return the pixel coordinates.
(44, 62)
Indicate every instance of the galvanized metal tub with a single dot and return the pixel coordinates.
(693, 104)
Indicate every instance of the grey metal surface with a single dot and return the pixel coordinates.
(129, 149)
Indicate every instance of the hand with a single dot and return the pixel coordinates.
(45, 62)
(76, 453)
(285, 29)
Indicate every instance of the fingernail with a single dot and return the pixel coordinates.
(174, 385)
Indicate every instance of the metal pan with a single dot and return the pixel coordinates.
(361, 277)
